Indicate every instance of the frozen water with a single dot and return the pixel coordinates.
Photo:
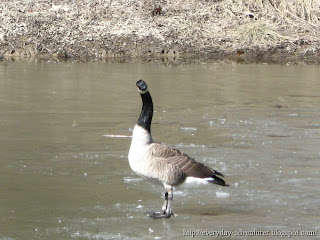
(64, 182)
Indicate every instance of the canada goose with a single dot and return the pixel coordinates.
(158, 161)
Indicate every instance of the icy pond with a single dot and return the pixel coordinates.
(64, 170)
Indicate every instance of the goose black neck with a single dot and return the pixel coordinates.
(146, 112)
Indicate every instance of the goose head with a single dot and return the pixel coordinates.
(142, 86)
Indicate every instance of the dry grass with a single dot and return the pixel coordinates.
(108, 28)
(259, 33)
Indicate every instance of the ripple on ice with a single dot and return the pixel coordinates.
(130, 179)
(189, 129)
(88, 235)
(222, 194)
(116, 136)
(182, 145)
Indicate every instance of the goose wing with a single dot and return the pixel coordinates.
(182, 162)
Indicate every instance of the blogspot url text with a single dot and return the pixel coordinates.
(240, 233)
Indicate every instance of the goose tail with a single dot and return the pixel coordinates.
(216, 180)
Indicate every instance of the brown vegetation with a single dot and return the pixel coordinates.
(171, 28)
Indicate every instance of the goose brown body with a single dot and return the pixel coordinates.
(173, 166)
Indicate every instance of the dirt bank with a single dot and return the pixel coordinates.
(100, 29)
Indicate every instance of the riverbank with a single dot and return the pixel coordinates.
(104, 29)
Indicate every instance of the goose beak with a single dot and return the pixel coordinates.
(142, 86)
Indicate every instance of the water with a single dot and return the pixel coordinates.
(61, 178)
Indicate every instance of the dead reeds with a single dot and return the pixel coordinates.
(108, 28)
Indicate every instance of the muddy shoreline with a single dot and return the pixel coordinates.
(159, 30)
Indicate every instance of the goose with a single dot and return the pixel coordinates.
(158, 161)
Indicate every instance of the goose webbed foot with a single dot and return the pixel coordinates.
(161, 214)
(166, 211)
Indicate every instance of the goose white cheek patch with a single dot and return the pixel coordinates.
(142, 92)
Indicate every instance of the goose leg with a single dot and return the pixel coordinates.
(166, 211)
(164, 207)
